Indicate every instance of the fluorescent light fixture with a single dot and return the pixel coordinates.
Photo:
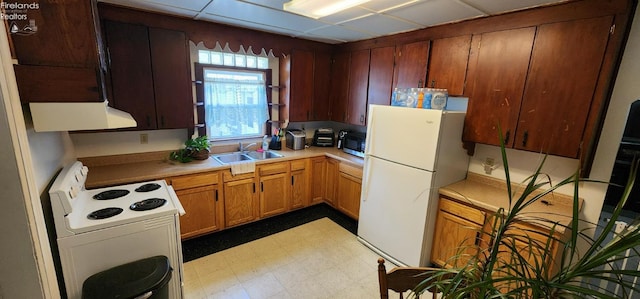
(320, 8)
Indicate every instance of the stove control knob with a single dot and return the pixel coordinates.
(73, 191)
(84, 170)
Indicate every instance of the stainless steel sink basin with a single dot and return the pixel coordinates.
(231, 158)
(264, 155)
(235, 157)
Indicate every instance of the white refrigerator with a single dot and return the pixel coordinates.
(409, 154)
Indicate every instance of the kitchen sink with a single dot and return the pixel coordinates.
(264, 155)
(231, 158)
(235, 157)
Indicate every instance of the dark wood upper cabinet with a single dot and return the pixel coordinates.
(63, 60)
(299, 93)
(171, 78)
(339, 91)
(381, 75)
(448, 63)
(358, 86)
(130, 69)
(563, 73)
(321, 82)
(150, 75)
(411, 65)
(498, 65)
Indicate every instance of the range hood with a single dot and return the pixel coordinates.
(74, 116)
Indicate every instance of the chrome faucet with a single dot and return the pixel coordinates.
(244, 148)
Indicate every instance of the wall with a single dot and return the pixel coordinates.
(118, 143)
(626, 90)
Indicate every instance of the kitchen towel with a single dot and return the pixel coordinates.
(243, 167)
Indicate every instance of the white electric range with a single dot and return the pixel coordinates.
(102, 228)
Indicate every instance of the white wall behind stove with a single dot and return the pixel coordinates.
(118, 143)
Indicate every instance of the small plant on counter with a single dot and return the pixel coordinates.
(511, 264)
(195, 149)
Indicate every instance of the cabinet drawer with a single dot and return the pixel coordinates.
(298, 164)
(350, 170)
(228, 177)
(462, 211)
(274, 168)
(195, 180)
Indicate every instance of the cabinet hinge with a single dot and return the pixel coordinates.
(612, 30)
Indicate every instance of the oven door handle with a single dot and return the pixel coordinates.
(176, 200)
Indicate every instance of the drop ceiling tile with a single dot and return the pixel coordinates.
(250, 25)
(383, 5)
(381, 25)
(499, 6)
(260, 15)
(434, 12)
(339, 32)
(169, 6)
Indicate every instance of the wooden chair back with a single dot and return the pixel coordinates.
(401, 279)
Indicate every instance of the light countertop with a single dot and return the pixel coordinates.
(124, 169)
(491, 194)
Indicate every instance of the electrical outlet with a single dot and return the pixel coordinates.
(489, 161)
(144, 138)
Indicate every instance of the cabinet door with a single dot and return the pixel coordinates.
(274, 194)
(318, 170)
(331, 179)
(498, 65)
(457, 234)
(358, 85)
(301, 88)
(380, 76)
(171, 78)
(448, 63)
(339, 92)
(299, 187)
(411, 65)
(203, 211)
(240, 204)
(66, 35)
(564, 70)
(348, 194)
(130, 68)
(321, 86)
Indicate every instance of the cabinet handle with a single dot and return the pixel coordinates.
(433, 83)
(524, 138)
(254, 187)
(362, 118)
(148, 121)
(506, 137)
(261, 187)
(162, 121)
(344, 116)
(420, 83)
(291, 180)
(216, 194)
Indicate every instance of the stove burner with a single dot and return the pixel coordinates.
(111, 194)
(148, 187)
(147, 204)
(104, 213)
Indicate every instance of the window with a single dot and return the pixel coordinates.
(235, 102)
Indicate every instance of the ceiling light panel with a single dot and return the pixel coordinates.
(378, 24)
(320, 8)
(261, 15)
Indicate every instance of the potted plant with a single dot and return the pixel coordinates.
(195, 149)
(502, 269)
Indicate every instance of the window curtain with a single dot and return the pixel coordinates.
(235, 104)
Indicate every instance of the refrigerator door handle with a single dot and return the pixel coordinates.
(366, 180)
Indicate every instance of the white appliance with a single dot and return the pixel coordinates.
(409, 154)
(102, 228)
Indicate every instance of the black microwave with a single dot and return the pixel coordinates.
(354, 143)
